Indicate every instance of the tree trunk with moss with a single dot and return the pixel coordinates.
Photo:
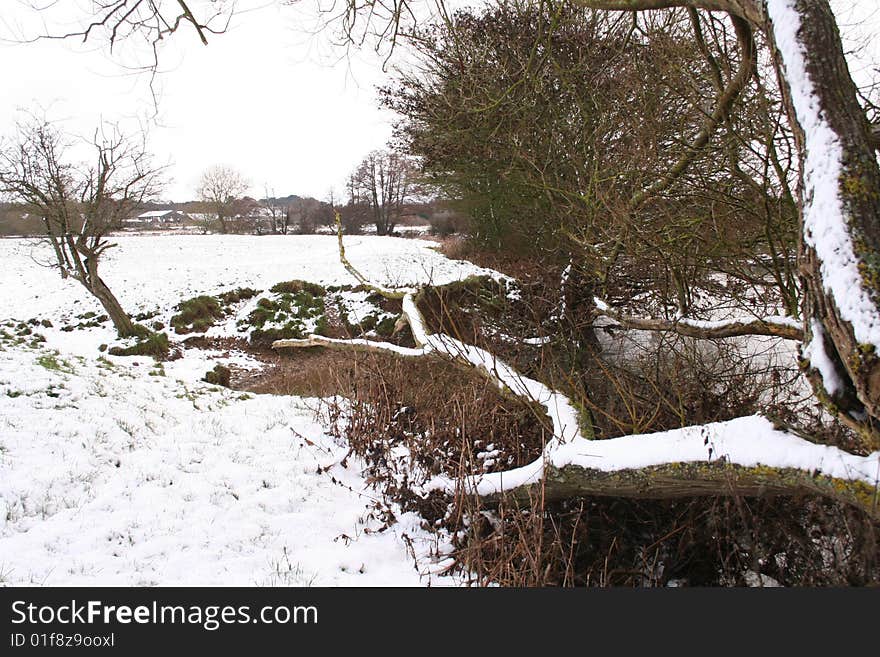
(858, 189)
(680, 480)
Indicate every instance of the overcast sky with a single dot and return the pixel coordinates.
(265, 97)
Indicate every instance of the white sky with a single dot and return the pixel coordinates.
(265, 98)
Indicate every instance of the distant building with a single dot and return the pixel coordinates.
(159, 217)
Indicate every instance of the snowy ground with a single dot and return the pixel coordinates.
(116, 471)
(149, 272)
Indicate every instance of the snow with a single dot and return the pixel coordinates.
(776, 320)
(747, 441)
(122, 471)
(416, 321)
(825, 227)
(357, 308)
(716, 324)
(114, 477)
(149, 272)
(814, 352)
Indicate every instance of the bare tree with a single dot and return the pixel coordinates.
(384, 181)
(149, 22)
(79, 203)
(219, 188)
(274, 211)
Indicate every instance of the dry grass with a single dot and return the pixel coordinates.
(725, 541)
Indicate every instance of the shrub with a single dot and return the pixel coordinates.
(444, 225)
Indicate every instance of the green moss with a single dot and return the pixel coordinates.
(306, 305)
(857, 186)
(322, 327)
(290, 331)
(284, 315)
(368, 323)
(386, 326)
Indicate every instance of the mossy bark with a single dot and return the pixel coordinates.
(676, 480)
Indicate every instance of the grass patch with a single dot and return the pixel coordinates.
(294, 287)
(53, 363)
(237, 295)
(288, 314)
(154, 344)
(219, 376)
(196, 315)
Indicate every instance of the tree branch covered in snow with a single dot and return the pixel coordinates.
(743, 456)
(780, 327)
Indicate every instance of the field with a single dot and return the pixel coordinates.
(117, 470)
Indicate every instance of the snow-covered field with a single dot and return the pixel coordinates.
(118, 471)
(151, 272)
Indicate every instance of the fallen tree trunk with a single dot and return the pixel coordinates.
(679, 480)
(746, 456)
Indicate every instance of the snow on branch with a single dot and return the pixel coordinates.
(776, 326)
(747, 455)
